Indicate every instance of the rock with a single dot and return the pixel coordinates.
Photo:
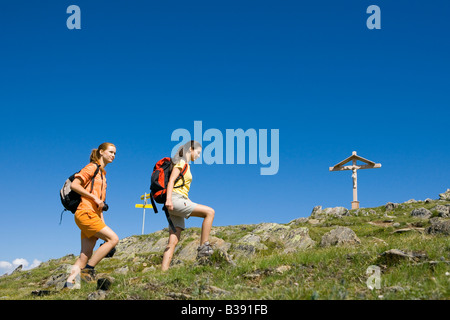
(249, 245)
(127, 248)
(244, 250)
(421, 213)
(316, 211)
(17, 270)
(298, 221)
(267, 229)
(390, 206)
(439, 226)
(443, 211)
(104, 283)
(337, 212)
(272, 232)
(408, 230)
(384, 223)
(445, 195)
(394, 256)
(97, 295)
(253, 240)
(297, 239)
(257, 274)
(216, 291)
(339, 236)
(40, 293)
(282, 269)
(122, 270)
(57, 280)
(313, 221)
(179, 296)
(189, 251)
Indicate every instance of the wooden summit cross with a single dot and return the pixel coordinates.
(354, 167)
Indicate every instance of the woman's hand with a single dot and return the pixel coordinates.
(99, 203)
(169, 205)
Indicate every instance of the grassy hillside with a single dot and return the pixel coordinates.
(265, 269)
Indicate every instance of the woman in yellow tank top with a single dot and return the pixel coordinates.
(181, 207)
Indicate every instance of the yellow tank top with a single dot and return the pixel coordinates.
(184, 190)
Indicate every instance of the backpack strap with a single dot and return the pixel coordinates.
(155, 209)
(93, 177)
(181, 176)
(169, 220)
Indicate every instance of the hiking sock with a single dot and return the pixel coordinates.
(89, 267)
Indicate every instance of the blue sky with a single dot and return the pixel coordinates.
(137, 71)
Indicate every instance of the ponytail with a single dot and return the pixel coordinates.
(95, 156)
(184, 149)
(95, 153)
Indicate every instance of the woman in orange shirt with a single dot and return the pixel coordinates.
(89, 215)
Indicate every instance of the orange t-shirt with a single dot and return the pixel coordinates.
(99, 187)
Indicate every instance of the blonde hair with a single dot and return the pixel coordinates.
(95, 154)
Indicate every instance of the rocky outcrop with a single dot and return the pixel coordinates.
(443, 211)
(394, 256)
(390, 206)
(285, 237)
(439, 226)
(337, 212)
(421, 213)
(445, 195)
(339, 236)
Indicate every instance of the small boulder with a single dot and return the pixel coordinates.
(443, 211)
(421, 213)
(97, 295)
(297, 239)
(316, 211)
(56, 280)
(339, 236)
(394, 256)
(104, 283)
(390, 206)
(439, 226)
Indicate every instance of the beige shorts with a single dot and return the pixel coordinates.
(182, 209)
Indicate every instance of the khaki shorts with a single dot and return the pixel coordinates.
(182, 209)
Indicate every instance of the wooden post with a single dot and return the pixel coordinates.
(355, 167)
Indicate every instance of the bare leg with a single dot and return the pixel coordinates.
(87, 246)
(207, 214)
(170, 249)
(111, 239)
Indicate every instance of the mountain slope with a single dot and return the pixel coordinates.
(395, 251)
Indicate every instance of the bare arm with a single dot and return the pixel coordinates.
(173, 176)
(78, 188)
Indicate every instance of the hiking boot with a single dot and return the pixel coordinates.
(87, 275)
(204, 250)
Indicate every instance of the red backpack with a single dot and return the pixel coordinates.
(160, 179)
